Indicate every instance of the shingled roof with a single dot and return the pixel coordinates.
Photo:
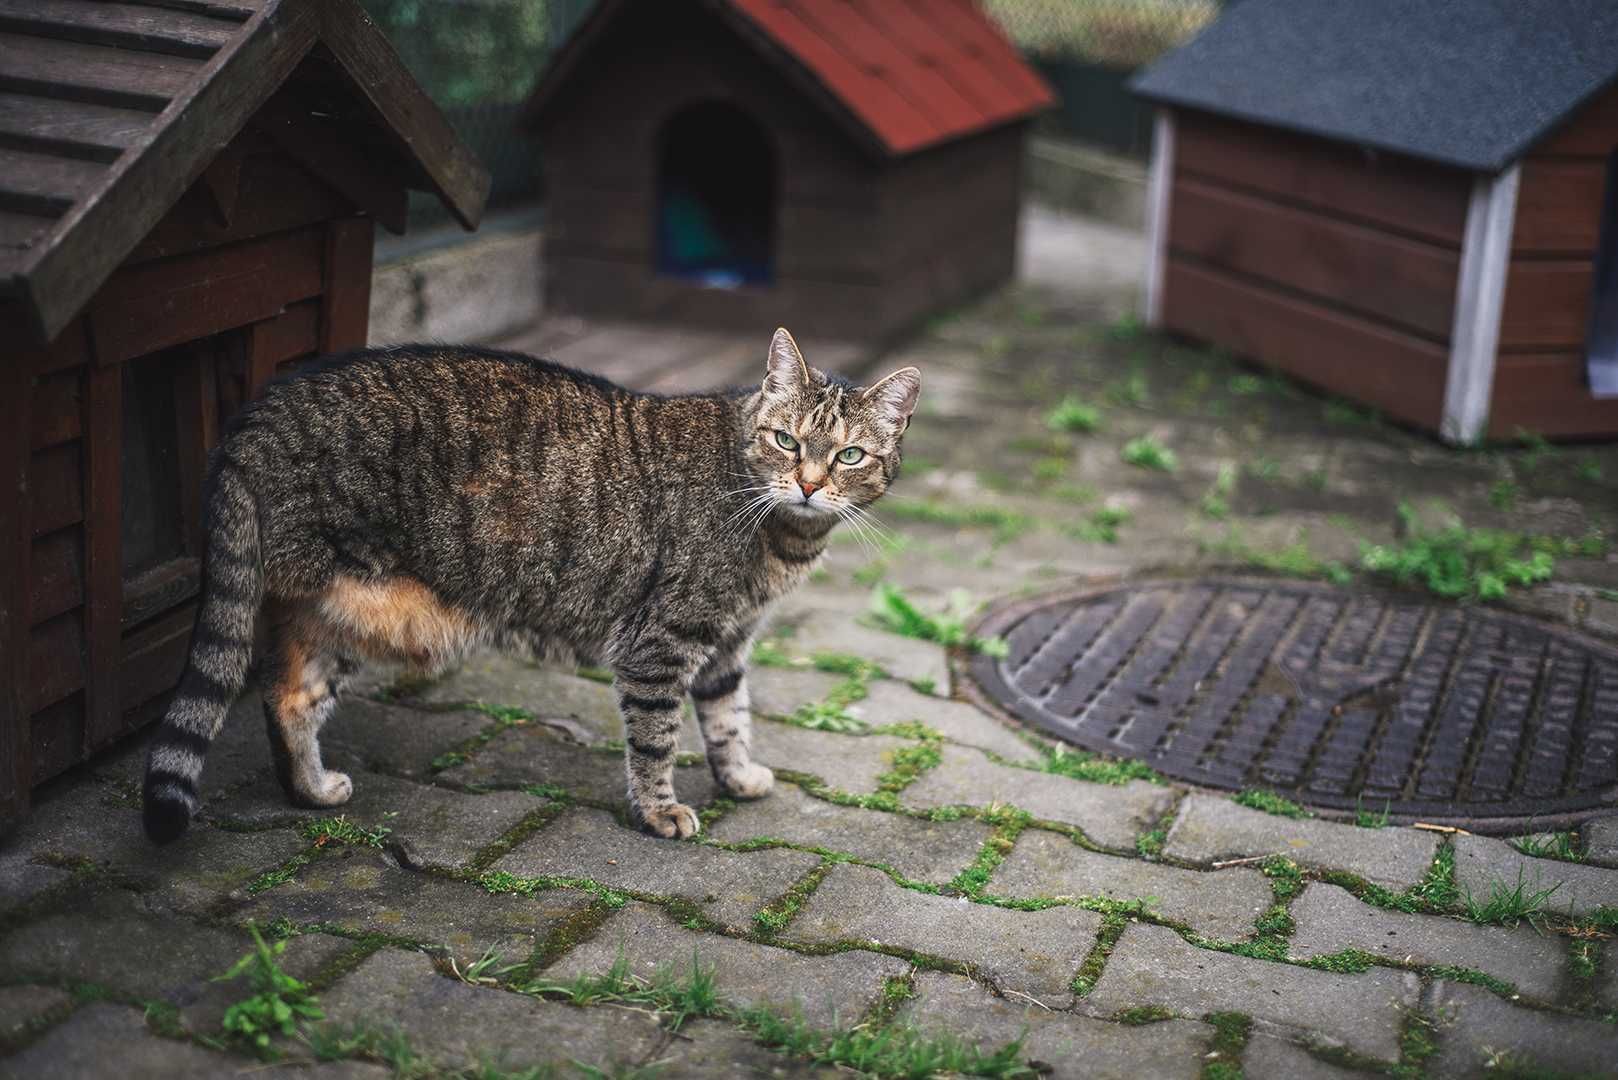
(110, 111)
(900, 75)
(1472, 83)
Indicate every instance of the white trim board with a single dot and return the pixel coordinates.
(1480, 295)
(1159, 185)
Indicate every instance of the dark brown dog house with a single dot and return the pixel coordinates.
(840, 166)
(187, 196)
(1401, 203)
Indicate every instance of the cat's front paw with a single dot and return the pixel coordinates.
(676, 821)
(751, 781)
(329, 789)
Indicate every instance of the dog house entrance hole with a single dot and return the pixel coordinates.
(716, 197)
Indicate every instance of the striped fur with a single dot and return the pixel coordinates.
(414, 502)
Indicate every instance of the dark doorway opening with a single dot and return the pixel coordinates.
(716, 197)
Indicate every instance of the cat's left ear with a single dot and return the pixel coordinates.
(896, 395)
(785, 371)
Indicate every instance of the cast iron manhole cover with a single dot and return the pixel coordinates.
(1329, 696)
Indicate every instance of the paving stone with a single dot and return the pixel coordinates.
(829, 991)
(113, 1040)
(361, 890)
(703, 1049)
(1607, 989)
(533, 755)
(1330, 920)
(1031, 952)
(823, 630)
(730, 886)
(1073, 1046)
(239, 753)
(1476, 1027)
(454, 1024)
(305, 956)
(206, 866)
(933, 851)
(1270, 1058)
(1221, 904)
(1481, 862)
(395, 739)
(1210, 827)
(1600, 836)
(111, 940)
(848, 763)
(891, 702)
(1110, 815)
(779, 691)
(1153, 965)
(22, 1006)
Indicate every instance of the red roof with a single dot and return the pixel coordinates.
(912, 73)
(916, 72)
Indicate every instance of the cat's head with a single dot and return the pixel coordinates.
(820, 444)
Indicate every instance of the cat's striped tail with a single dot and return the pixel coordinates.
(221, 652)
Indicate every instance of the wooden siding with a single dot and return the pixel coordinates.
(1333, 265)
(1539, 381)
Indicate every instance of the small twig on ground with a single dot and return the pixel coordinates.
(1439, 828)
(1027, 997)
(1241, 862)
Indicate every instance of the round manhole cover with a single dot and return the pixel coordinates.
(1332, 697)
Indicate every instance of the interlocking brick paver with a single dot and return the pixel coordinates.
(730, 886)
(454, 1024)
(360, 890)
(1221, 904)
(1153, 965)
(1600, 836)
(779, 691)
(396, 739)
(1269, 1058)
(1032, 952)
(110, 940)
(21, 1006)
(850, 763)
(1330, 920)
(1110, 815)
(1210, 827)
(1483, 862)
(1476, 1028)
(1080, 1047)
(830, 991)
(708, 1048)
(533, 754)
(933, 851)
(113, 1040)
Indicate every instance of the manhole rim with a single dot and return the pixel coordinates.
(974, 671)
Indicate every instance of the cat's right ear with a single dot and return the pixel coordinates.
(785, 372)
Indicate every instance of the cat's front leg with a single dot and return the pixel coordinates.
(651, 711)
(724, 714)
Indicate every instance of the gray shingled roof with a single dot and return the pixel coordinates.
(1473, 83)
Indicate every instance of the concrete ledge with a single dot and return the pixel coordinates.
(1083, 180)
(450, 285)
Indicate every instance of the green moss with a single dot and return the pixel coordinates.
(1584, 956)
(1347, 962)
(838, 663)
(1276, 922)
(594, 674)
(1142, 1015)
(907, 765)
(1231, 1032)
(1286, 877)
(1149, 845)
(975, 878)
(1007, 524)
(323, 831)
(770, 654)
(501, 881)
(1418, 1041)
(282, 874)
(1084, 765)
(1095, 961)
(1473, 976)
(778, 914)
(1270, 803)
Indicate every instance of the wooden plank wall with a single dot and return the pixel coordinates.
(1539, 382)
(601, 148)
(286, 278)
(1332, 264)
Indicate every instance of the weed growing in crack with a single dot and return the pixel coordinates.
(1473, 976)
(1556, 845)
(279, 1005)
(1508, 905)
(887, 1050)
(1367, 819)
(1147, 452)
(779, 913)
(1270, 803)
(323, 831)
(769, 654)
(1073, 415)
(1101, 527)
(1009, 823)
(1149, 845)
(1347, 962)
(893, 611)
(1215, 502)
(1084, 765)
(1418, 1041)
(1095, 962)
(1231, 1032)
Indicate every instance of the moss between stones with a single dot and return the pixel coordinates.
(1418, 1041)
(1009, 825)
(1231, 1032)
(1142, 1015)
(1270, 803)
(502, 845)
(504, 716)
(1112, 928)
(577, 928)
(779, 913)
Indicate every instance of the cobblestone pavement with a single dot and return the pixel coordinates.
(923, 878)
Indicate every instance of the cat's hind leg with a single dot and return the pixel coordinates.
(303, 676)
(725, 717)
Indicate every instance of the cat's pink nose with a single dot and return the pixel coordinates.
(808, 488)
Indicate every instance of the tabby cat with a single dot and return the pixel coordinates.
(412, 502)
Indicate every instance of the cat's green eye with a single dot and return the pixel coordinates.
(851, 455)
(785, 441)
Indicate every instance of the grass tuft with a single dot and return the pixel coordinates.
(897, 613)
(1073, 415)
(279, 1005)
(1147, 452)
(1084, 765)
(1270, 803)
(1508, 905)
(1556, 845)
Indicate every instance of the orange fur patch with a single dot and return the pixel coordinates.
(394, 618)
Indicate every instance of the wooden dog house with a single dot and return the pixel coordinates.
(846, 166)
(1401, 203)
(187, 193)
